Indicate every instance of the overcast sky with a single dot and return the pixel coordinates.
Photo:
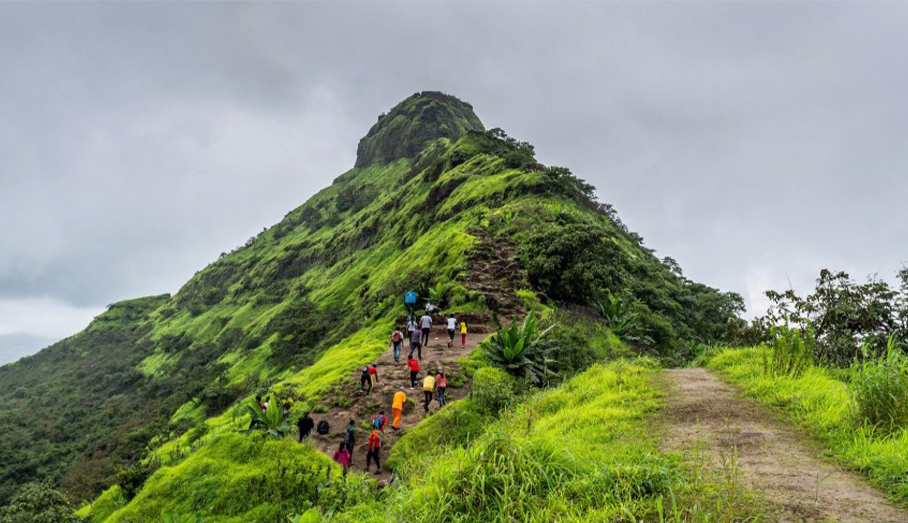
(755, 143)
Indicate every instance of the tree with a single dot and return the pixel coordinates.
(39, 503)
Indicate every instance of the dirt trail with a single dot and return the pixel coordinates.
(771, 457)
(349, 403)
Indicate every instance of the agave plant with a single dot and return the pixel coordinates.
(272, 422)
(517, 350)
(437, 294)
(616, 314)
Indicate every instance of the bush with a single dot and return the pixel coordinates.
(792, 352)
(517, 350)
(38, 503)
(880, 387)
(493, 389)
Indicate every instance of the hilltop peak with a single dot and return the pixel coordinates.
(410, 125)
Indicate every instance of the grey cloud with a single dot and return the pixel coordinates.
(753, 142)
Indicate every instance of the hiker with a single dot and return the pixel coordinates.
(350, 439)
(372, 453)
(397, 408)
(263, 406)
(365, 381)
(397, 339)
(428, 385)
(463, 333)
(429, 307)
(416, 344)
(305, 425)
(441, 384)
(342, 457)
(411, 327)
(414, 371)
(373, 373)
(379, 421)
(425, 323)
(452, 325)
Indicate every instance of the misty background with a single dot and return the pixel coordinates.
(755, 143)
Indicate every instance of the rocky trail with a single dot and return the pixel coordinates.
(705, 413)
(348, 403)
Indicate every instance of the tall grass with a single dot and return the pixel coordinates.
(880, 387)
(791, 352)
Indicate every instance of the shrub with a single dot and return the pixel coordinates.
(493, 389)
(271, 422)
(880, 387)
(517, 350)
(38, 503)
(791, 354)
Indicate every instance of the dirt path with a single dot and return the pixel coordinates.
(771, 457)
(349, 403)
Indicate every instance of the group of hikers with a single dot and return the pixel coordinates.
(434, 385)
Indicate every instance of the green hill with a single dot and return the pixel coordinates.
(436, 204)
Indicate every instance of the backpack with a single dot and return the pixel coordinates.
(350, 436)
(378, 421)
(322, 427)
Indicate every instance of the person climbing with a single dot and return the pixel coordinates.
(342, 457)
(305, 425)
(397, 339)
(365, 381)
(425, 324)
(350, 438)
(372, 453)
(452, 325)
(411, 327)
(379, 421)
(414, 371)
(416, 344)
(441, 384)
(397, 408)
(373, 375)
(463, 333)
(428, 385)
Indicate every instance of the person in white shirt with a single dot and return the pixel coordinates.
(452, 326)
(425, 324)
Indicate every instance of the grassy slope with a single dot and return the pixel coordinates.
(822, 403)
(399, 224)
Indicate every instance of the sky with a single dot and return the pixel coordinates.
(755, 143)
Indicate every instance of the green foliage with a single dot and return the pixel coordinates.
(791, 352)
(272, 422)
(38, 503)
(493, 390)
(176, 518)
(822, 401)
(880, 387)
(517, 350)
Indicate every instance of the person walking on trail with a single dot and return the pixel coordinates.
(379, 421)
(397, 339)
(350, 439)
(342, 457)
(411, 327)
(305, 426)
(373, 374)
(425, 324)
(463, 333)
(414, 371)
(416, 343)
(372, 453)
(397, 408)
(428, 386)
(441, 384)
(452, 325)
(365, 381)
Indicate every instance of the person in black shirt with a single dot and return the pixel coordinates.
(305, 425)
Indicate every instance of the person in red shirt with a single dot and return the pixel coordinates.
(372, 453)
(414, 371)
(373, 375)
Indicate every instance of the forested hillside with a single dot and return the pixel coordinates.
(434, 204)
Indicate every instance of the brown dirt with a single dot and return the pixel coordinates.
(349, 403)
(773, 459)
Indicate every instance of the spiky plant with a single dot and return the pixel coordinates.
(271, 422)
(517, 350)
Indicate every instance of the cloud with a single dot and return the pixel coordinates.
(752, 142)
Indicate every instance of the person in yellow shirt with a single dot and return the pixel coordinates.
(463, 333)
(428, 387)
(397, 408)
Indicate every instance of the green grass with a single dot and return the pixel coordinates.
(823, 404)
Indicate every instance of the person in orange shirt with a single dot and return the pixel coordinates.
(397, 408)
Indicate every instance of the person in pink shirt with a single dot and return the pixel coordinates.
(441, 383)
(342, 457)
